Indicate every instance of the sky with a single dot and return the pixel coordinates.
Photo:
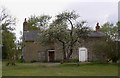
(92, 11)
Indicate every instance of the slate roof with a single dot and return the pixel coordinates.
(31, 35)
(34, 35)
(96, 34)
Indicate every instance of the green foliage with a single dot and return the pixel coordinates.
(7, 23)
(109, 48)
(6, 20)
(59, 31)
(67, 16)
(109, 29)
(118, 25)
(8, 43)
(81, 30)
(108, 51)
(38, 22)
(66, 31)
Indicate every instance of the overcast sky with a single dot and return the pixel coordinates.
(93, 11)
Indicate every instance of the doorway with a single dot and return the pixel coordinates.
(83, 55)
(51, 55)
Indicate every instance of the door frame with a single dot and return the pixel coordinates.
(48, 54)
(85, 55)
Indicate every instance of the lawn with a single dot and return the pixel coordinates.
(0, 68)
(46, 69)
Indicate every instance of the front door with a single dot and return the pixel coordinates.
(83, 54)
(51, 56)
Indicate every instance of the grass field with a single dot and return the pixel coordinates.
(38, 69)
(0, 68)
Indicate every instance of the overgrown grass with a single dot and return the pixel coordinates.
(38, 69)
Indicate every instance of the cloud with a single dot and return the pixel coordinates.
(92, 11)
(112, 18)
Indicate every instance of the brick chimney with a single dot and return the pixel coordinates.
(25, 27)
(97, 27)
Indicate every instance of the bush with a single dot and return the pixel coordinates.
(21, 60)
(33, 61)
(107, 50)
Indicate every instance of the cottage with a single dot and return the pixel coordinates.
(33, 51)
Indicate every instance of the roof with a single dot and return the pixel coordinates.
(34, 35)
(96, 34)
(31, 35)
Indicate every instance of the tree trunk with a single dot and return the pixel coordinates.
(11, 60)
(71, 43)
(64, 52)
(70, 53)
